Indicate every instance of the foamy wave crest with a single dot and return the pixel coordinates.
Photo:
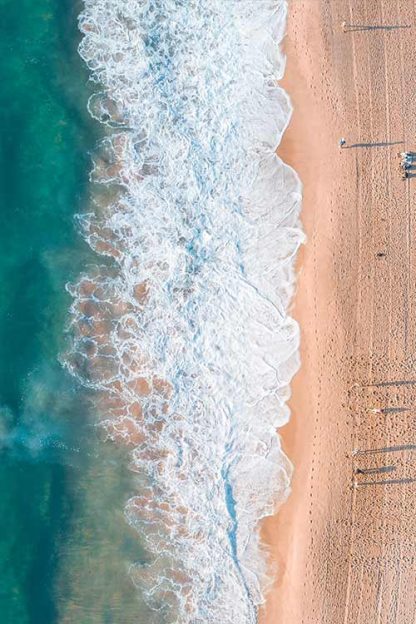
(182, 328)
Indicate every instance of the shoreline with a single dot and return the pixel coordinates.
(342, 555)
(297, 144)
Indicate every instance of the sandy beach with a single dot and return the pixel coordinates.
(345, 541)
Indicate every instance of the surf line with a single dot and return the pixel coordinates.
(181, 329)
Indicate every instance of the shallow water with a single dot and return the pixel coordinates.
(180, 329)
(61, 489)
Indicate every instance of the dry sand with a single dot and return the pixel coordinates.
(348, 555)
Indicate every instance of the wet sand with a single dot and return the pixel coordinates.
(346, 554)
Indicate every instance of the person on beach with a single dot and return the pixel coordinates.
(407, 157)
(405, 164)
(342, 143)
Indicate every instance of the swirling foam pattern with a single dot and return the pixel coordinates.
(182, 327)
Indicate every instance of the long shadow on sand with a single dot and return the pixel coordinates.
(363, 27)
(396, 382)
(380, 144)
(378, 470)
(387, 482)
(387, 449)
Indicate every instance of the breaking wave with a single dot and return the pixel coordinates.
(182, 327)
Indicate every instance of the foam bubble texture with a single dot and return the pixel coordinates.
(182, 327)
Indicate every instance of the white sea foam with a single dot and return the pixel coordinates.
(183, 330)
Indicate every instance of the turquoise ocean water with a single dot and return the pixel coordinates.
(142, 375)
(64, 546)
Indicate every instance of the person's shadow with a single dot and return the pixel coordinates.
(377, 144)
(363, 27)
